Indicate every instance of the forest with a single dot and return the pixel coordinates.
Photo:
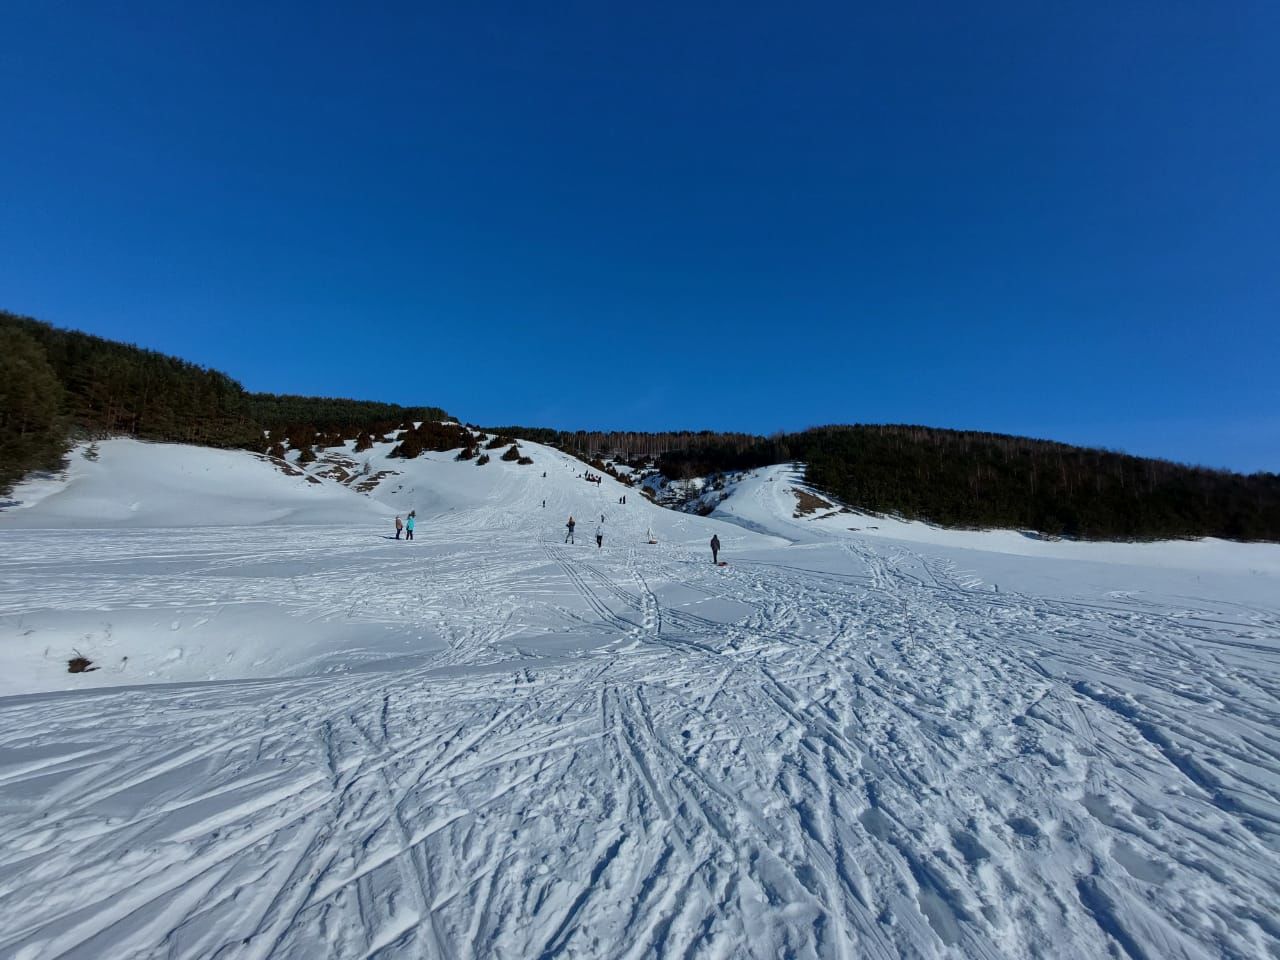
(961, 478)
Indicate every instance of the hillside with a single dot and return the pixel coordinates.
(131, 483)
(984, 480)
(969, 479)
(57, 384)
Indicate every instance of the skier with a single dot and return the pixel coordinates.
(544, 504)
(602, 518)
(715, 548)
(399, 527)
(568, 537)
(600, 536)
(409, 524)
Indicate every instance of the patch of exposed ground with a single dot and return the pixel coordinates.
(808, 503)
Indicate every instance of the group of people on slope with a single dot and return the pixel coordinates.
(406, 525)
(571, 526)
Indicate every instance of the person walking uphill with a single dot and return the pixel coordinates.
(399, 527)
(715, 548)
(600, 536)
(568, 537)
(409, 524)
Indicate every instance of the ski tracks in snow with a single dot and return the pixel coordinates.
(880, 760)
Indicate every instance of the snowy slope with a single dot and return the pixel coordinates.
(136, 484)
(506, 495)
(161, 596)
(843, 744)
(766, 499)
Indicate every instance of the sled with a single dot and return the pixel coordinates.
(722, 563)
(653, 541)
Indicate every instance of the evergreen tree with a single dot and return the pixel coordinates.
(32, 427)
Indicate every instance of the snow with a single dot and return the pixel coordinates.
(766, 498)
(136, 484)
(308, 739)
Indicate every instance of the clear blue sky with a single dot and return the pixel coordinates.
(1052, 219)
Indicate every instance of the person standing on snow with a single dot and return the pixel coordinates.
(568, 537)
(600, 536)
(399, 527)
(409, 524)
(715, 548)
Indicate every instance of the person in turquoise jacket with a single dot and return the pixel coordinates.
(409, 524)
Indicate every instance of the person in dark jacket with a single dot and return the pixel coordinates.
(715, 548)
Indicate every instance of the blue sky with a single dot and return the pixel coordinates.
(1060, 220)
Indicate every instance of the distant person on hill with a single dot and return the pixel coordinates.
(600, 536)
(409, 525)
(715, 548)
(399, 527)
(568, 537)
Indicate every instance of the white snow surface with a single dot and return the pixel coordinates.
(306, 739)
(135, 484)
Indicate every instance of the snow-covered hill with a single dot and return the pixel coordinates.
(892, 741)
(301, 574)
(777, 499)
(127, 483)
